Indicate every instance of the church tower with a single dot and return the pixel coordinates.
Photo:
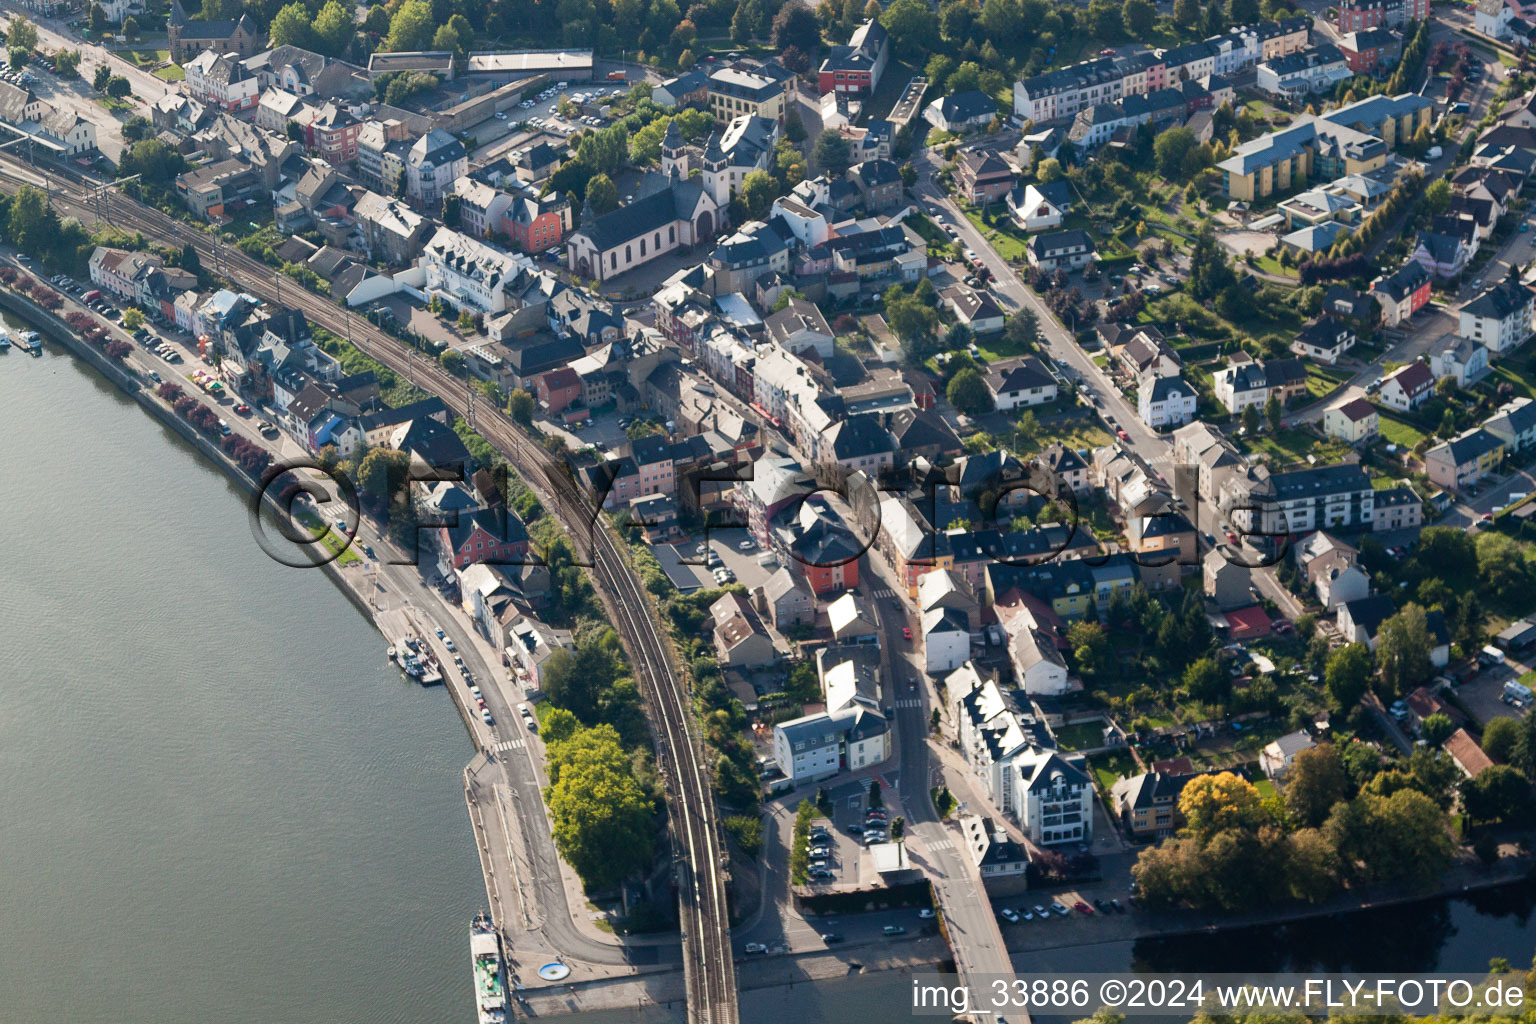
(674, 153)
(716, 176)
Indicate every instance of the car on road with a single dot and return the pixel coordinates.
(906, 632)
(1119, 907)
(243, 409)
(831, 938)
(155, 377)
(1101, 906)
(756, 949)
(894, 929)
(1009, 915)
(926, 913)
(1122, 435)
(440, 634)
(486, 717)
(448, 643)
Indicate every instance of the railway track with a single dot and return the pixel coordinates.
(709, 971)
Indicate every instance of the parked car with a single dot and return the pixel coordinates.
(894, 929)
(756, 949)
(1008, 915)
(926, 913)
(831, 938)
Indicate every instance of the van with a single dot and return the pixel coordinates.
(224, 428)
(1494, 656)
(767, 560)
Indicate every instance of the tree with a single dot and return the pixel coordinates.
(1315, 782)
(1273, 411)
(968, 392)
(119, 87)
(153, 161)
(1186, 13)
(1501, 739)
(98, 19)
(1091, 648)
(831, 152)
(1403, 648)
(1023, 328)
(130, 28)
(602, 193)
(1499, 793)
(189, 259)
(411, 28)
(1347, 676)
(68, 63)
(1250, 418)
(452, 360)
(376, 23)
(22, 35)
(446, 40)
(102, 77)
(1206, 682)
(600, 817)
(291, 27)
(912, 26)
(1501, 569)
(758, 192)
(1140, 17)
(1437, 197)
(1216, 803)
(133, 319)
(335, 27)
(520, 405)
(796, 26)
(29, 227)
(876, 798)
(1243, 12)
(1436, 729)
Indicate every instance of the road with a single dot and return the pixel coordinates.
(701, 859)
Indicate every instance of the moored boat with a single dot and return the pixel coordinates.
(490, 985)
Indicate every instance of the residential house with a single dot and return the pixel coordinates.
(1054, 798)
(983, 177)
(995, 854)
(1148, 804)
(1398, 508)
(1019, 382)
(857, 67)
(975, 309)
(1276, 758)
(789, 602)
(1499, 318)
(851, 734)
(1225, 580)
(1464, 750)
(393, 233)
(433, 163)
(1067, 250)
(740, 640)
(221, 80)
(1165, 401)
(1442, 255)
(1465, 361)
(1299, 501)
(879, 183)
(1254, 382)
(1355, 421)
(1324, 339)
(1402, 293)
(493, 535)
(961, 111)
(1408, 387)
(1464, 459)
(467, 274)
(946, 639)
(1514, 424)
(1041, 207)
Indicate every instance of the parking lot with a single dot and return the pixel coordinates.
(1483, 693)
(691, 569)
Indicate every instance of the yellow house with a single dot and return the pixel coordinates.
(1271, 163)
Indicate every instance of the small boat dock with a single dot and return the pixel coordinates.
(30, 342)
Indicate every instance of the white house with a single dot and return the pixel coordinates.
(1165, 401)
(1464, 361)
(1019, 382)
(1492, 18)
(1407, 388)
(1054, 797)
(1355, 421)
(1036, 661)
(1499, 318)
(1041, 207)
(468, 274)
(1277, 758)
(946, 639)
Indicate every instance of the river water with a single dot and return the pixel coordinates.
(218, 802)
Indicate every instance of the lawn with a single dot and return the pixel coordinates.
(1269, 265)
(171, 73)
(1075, 429)
(1399, 431)
(1266, 788)
(329, 539)
(1292, 444)
(1008, 244)
(1321, 380)
(1082, 736)
(144, 58)
(1108, 768)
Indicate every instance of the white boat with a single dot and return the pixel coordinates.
(5, 339)
(490, 985)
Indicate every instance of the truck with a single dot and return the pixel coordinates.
(617, 76)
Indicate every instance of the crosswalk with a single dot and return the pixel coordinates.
(884, 593)
(910, 702)
(942, 844)
(506, 745)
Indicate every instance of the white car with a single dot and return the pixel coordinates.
(1007, 914)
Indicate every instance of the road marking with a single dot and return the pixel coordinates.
(941, 844)
(910, 702)
(505, 745)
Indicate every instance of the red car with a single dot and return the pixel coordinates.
(906, 632)
(1082, 908)
(1231, 537)
(243, 409)
(1123, 435)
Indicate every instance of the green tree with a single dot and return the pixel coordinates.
(376, 23)
(1437, 197)
(1273, 412)
(913, 26)
(1311, 866)
(22, 35)
(831, 152)
(190, 261)
(335, 27)
(133, 319)
(1206, 682)
(1140, 17)
(758, 191)
(411, 28)
(291, 27)
(130, 28)
(1250, 418)
(601, 819)
(520, 405)
(119, 88)
(1243, 12)
(98, 19)
(1436, 729)
(1023, 329)
(1347, 676)
(102, 76)
(1501, 739)
(452, 360)
(29, 226)
(1315, 782)
(1091, 649)
(1186, 13)
(68, 63)
(968, 392)
(1499, 793)
(602, 194)
(1403, 649)
(795, 25)
(1502, 572)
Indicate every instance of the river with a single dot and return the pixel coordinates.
(217, 801)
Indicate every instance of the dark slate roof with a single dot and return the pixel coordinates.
(647, 213)
(1500, 301)
(963, 106)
